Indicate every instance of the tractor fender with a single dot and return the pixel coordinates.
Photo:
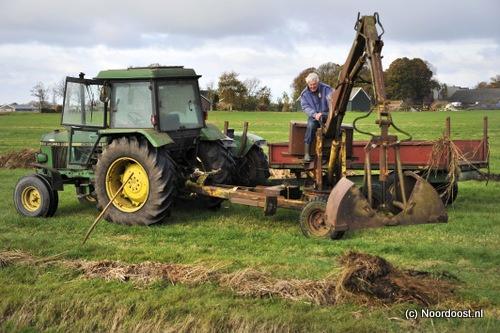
(155, 138)
(252, 140)
(51, 175)
(212, 133)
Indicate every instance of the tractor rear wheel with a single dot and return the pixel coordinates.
(313, 223)
(253, 168)
(34, 197)
(148, 174)
(215, 156)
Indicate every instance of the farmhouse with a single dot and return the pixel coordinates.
(25, 108)
(485, 98)
(7, 108)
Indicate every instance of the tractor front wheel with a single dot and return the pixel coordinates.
(34, 197)
(142, 179)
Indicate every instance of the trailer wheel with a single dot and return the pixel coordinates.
(253, 168)
(34, 197)
(147, 196)
(312, 221)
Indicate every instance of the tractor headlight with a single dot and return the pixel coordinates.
(41, 157)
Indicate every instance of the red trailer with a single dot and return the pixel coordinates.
(418, 156)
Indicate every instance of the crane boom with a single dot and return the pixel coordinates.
(367, 46)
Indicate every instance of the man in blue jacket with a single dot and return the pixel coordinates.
(314, 102)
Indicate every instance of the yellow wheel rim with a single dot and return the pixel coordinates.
(135, 193)
(31, 198)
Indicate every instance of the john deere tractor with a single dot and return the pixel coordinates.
(136, 135)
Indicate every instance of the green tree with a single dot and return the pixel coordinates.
(409, 80)
(482, 85)
(285, 99)
(494, 83)
(232, 92)
(263, 97)
(329, 73)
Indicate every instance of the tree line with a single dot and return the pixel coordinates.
(410, 80)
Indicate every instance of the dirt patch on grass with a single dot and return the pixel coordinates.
(364, 278)
(369, 277)
(18, 159)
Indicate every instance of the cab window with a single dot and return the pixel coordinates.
(131, 105)
(179, 105)
(82, 106)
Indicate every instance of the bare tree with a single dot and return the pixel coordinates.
(58, 89)
(286, 102)
(252, 85)
(41, 93)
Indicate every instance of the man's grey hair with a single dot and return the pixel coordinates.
(312, 77)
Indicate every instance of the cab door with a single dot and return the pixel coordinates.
(83, 114)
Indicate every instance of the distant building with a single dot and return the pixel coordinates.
(486, 98)
(451, 90)
(25, 108)
(359, 100)
(206, 103)
(396, 105)
(7, 108)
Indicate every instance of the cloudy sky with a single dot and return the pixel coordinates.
(269, 40)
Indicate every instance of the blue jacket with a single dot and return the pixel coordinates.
(312, 103)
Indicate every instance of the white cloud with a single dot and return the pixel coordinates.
(22, 65)
(269, 40)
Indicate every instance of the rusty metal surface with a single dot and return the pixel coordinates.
(348, 209)
(296, 136)
(267, 198)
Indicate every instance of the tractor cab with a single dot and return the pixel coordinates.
(164, 98)
(163, 102)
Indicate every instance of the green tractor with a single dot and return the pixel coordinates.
(135, 136)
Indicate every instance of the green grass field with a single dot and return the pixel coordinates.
(52, 298)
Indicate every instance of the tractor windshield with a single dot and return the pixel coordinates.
(82, 106)
(179, 105)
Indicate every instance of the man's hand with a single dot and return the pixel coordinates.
(317, 116)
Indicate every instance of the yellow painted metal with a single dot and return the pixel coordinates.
(135, 193)
(332, 160)
(31, 198)
(344, 155)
